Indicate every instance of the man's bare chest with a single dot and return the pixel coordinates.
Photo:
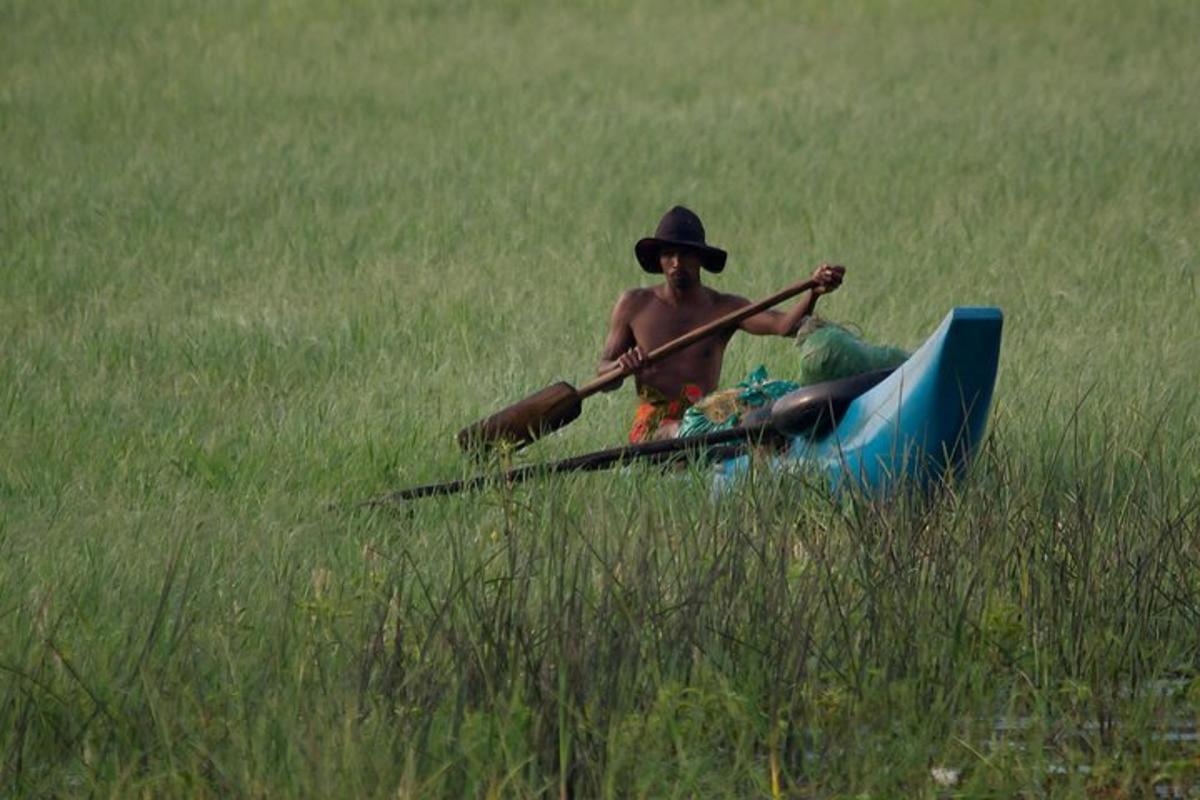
(654, 329)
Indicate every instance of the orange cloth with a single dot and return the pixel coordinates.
(655, 410)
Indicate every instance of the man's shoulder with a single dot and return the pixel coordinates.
(638, 293)
(633, 299)
(724, 300)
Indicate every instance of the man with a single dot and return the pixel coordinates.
(644, 319)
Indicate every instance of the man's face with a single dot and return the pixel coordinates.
(681, 267)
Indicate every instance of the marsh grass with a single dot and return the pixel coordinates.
(634, 634)
(261, 258)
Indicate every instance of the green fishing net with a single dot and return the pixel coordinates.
(724, 408)
(829, 352)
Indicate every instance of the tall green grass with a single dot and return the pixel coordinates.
(256, 258)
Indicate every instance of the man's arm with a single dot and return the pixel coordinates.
(786, 323)
(620, 348)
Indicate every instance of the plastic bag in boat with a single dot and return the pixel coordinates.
(829, 352)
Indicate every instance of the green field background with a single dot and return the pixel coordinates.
(261, 257)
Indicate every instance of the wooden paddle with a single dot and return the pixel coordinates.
(810, 410)
(560, 403)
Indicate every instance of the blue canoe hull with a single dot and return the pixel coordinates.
(921, 424)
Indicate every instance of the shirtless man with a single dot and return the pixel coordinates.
(644, 319)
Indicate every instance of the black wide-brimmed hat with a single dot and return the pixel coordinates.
(680, 227)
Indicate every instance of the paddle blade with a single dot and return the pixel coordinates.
(523, 422)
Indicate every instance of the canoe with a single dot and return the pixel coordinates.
(921, 424)
(918, 423)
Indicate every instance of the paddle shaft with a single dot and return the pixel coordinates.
(675, 345)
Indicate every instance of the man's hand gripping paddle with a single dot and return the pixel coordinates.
(559, 404)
